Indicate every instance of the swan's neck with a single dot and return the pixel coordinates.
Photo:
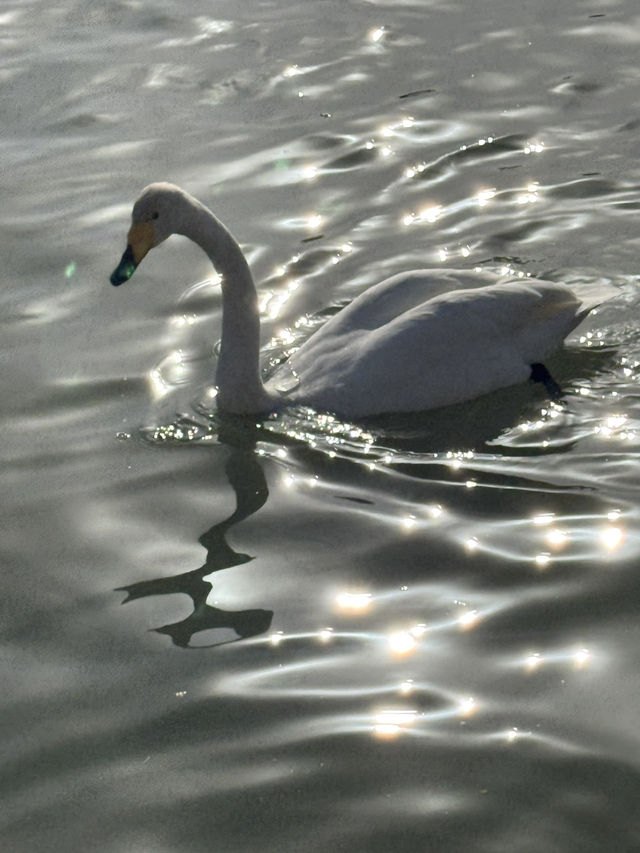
(240, 388)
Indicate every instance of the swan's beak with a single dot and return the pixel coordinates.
(140, 239)
(125, 268)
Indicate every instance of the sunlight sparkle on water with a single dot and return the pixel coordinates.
(376, 35)
(158, 386)
(386, 730)
(402, 642)
(184, 320)
(390, 723)
(612, 537)
(285, 336)
(578, 657)
(467, 706)
(612, 427)
(542, 560)
(412, 171)
(530, 195)
(582, 657)
(468, 619)
(354, 600)
(398, 716)
(430, 214)
(533, 661)
(557, 538)
(484, 196)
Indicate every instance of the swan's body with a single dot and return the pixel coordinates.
(416, 341)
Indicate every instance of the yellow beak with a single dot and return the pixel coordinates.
(141, 238)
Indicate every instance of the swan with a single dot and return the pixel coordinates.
(418, 340)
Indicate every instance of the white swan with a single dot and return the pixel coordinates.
(416, 341)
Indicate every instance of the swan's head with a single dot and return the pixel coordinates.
(156, 216)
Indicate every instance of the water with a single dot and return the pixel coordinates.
(417, 633)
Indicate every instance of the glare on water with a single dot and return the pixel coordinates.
(413, 633)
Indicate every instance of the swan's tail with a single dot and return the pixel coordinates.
(590, 302)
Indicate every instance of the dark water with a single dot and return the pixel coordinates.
(416, 634)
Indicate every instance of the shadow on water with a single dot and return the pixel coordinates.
(247, 479)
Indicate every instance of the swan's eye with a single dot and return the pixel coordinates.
(155, 215)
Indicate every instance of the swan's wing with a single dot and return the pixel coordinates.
(529, 319)
(399, 294)
(450, 348)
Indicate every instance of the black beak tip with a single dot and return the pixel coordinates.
(125, 268)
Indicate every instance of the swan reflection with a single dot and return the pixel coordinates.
(247, 479)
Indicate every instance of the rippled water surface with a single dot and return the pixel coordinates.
(418, 633)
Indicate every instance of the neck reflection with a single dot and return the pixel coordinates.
(246, 477)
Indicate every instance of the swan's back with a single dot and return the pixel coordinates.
(405, 345)
(387, 300)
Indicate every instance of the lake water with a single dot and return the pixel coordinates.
(418, 634)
